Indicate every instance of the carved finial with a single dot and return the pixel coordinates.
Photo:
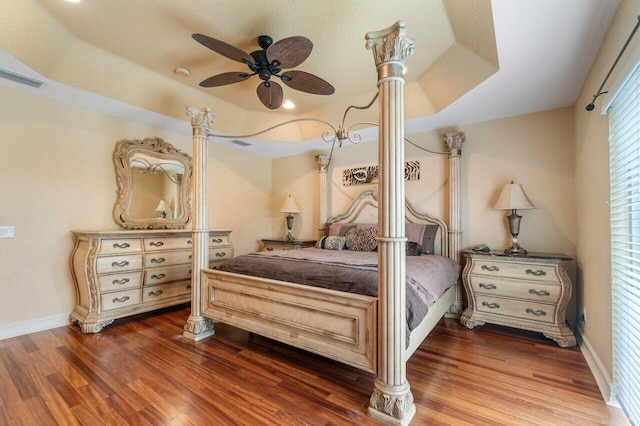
(201, 119)
(390, 44)
(322, 160)
(454, 141)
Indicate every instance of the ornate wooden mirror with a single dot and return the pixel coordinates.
(154, 185)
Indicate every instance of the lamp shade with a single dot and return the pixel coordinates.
(162, 206)
(289, 206)
(513, 197)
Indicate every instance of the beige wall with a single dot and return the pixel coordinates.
(57, 174)
(592, 187)
(535, 150)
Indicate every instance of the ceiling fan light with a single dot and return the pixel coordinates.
(288, 104)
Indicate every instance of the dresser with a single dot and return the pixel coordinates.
(282, 244)
(529, 292)
(122, 273)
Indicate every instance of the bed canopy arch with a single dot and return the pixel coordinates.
(391, 401)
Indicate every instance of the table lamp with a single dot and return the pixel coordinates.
(513, 198)
(162, 207)
(289, 207)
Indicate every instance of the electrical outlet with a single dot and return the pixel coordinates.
(583, 315)
(6, 231)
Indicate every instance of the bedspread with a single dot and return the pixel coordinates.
(427, 278)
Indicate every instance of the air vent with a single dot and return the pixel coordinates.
(20, 78)
(241, 143)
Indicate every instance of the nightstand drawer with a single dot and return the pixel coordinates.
(513, 269)
(220, 254)
(534, 291)
(538, 312)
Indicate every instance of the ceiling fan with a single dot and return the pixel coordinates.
(267, 63)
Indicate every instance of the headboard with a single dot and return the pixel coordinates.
(364, 209)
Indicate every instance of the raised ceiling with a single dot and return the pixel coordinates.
(127, 50)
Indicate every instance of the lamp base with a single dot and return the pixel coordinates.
(289, 236)
(515, 249)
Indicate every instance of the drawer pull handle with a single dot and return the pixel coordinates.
(488, 286)
(188, 286)
(120, 264)
(158, 260)
(190, 256)
(490, 268)
(123, 245)
(539, 292)
(538, 313)
(156, 244)
(538, 273)
(269, 248)
(157, 276)
(189, 242)
(120, 282)
(155, 293)
(120, 299)
(221, 254)
(491, 305)
(216, 240)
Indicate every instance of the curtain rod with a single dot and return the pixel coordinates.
(590, 107)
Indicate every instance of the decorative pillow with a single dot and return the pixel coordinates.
(320, 243)
(340, 229)
(422, 234)
(413, 248)
(362, 239)
(334, 242)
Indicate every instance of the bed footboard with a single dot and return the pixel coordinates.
(337, 325)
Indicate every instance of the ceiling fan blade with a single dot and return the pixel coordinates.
(223, 48)
(290, 52)
(305, 82)
(224, 79)
(270, 96)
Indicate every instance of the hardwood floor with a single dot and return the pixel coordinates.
(141, 371)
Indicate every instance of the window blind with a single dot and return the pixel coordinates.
(624, 164)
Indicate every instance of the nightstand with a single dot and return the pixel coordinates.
(282, 244)
(530, 292)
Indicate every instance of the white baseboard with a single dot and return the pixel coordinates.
(34, 326)
(597, 369)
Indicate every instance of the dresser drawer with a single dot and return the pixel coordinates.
(512, 269)
(220, 253)
(155, 276)
(538, 312)
(219, 240)
(116, 282)
(120, 299)
(166, 291)
(167, 258)
(120, 245)
(534, 291)
(167, 243)
(111, 264)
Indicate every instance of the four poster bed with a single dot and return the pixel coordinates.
(368, 332)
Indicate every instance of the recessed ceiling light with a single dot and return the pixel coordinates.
(74, 1)
(182, 72)
(287, 104)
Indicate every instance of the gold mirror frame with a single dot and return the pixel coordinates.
(163, 151)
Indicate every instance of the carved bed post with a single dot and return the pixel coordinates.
(322, 160)
(198, 327)
(454, 143)
(391, 401)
